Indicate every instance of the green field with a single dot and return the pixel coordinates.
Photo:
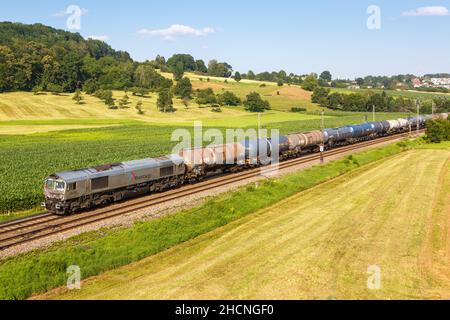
(394, 93)
(313, 245)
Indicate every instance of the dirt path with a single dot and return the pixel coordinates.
(318, 244)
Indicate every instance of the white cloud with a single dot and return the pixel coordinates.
(427, 12)
(101, 38)
(67, 12)
(176, 31)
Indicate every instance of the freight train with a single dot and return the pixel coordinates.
(71, 191)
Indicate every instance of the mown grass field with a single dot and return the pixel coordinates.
(317, 244)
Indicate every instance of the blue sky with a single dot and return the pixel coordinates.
(297, 36)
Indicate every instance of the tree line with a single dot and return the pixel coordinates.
(366, 101)
(40, 58)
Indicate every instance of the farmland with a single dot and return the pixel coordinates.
(313, 245)
(394, 93)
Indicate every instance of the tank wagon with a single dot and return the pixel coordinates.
(299, 143)
(71, 191)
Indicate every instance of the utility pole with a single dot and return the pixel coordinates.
(418, 115)
(259, 125)
(432, 107)
(373, 112)
(322, 146)
(409, 120)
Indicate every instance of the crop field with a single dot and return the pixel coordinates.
(401, 93)
(313, 245)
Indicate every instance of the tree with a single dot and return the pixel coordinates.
(228, 99)
(165, 103)
(251, 75)
(219, 69)
(318, 94)
(237, 76)
(124, 102)
(201, 66)
(178, 71)
(147, 77)
(359, 81)
(183, 88)
(310, 83)
(139, 107)
(107, 97)
(110, 102)
(77, 97)
(90, 86)
(354, 102)
(334, 101)
(280, 83)
(254, 103)
(438, 131)
(326, 76)
(160, 62)
(187, 62)
(206, 96)
(281, 75)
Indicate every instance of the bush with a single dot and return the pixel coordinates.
(216, 108)
(296, 109)
(318, 94)
(103, 94)
(206, 96)
(183, 88)
(254, 103)
(228, 99)
(138, 91)
(37, 90)
(56, 89)
(438, 131)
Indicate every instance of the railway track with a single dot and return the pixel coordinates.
(25, 230)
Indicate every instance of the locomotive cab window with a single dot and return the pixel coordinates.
(55, 185)
(167, 171)
(71, 186)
